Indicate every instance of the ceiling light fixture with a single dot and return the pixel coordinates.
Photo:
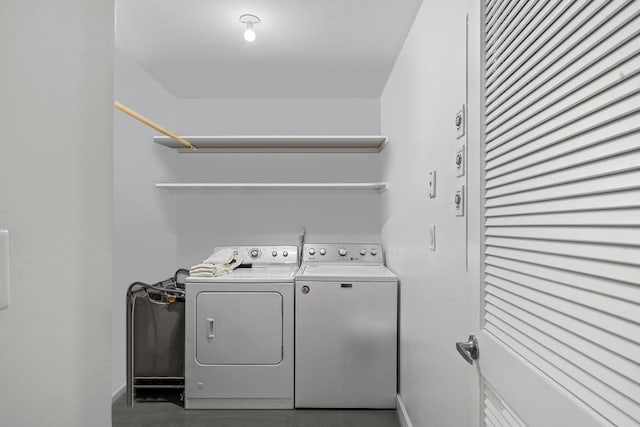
(249, 21)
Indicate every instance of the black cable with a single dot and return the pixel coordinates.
(156, 287)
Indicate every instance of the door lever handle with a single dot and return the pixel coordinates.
(469, 350)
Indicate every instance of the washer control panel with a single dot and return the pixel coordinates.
(265, 254)
(370, 253)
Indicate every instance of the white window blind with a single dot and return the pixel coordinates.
(562, 195)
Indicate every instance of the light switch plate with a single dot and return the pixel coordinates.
(460, 160)
(460, 122)
(432, 237)
(4, 269)
(431, 183)
(459, 200)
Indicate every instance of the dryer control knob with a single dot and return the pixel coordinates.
(312, 251)
(254, 253)
(274, 253)
(323, 251)
(285, 253)
(374, 252)
(342, 252)
(363, 252)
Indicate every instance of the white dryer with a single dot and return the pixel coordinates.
(346, 328)
(239, 333)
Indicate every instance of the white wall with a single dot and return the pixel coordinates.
(419, 102)
(56, 187)
(204, 221)
(154, 228)
(144, 244)
(266, 219)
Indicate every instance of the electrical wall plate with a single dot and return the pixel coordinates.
(431, 183)
(4, 269)
(460, 160)
(460, 122)
(432, 237)
(458, 199)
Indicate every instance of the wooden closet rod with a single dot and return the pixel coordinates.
(153, 125)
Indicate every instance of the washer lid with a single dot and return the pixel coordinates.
(339, 272)
(259, 274)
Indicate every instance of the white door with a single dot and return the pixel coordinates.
(558, 151)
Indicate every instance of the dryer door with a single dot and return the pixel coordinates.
(239, 328)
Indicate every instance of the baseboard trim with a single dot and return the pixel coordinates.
(118, 393)
(403, 416)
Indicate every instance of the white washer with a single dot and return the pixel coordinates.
(346, 328)
(239, 333)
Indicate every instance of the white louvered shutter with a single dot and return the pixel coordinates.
(562, 196)
(496, 411)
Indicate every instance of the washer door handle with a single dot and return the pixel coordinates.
(211, 328)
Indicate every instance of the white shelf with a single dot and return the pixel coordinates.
(279, 144)
(213, 187)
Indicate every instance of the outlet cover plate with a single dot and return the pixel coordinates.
(4, 269)
(460, 160)
(432, 237)
(459, 200)
(460, 122)
(431, 184)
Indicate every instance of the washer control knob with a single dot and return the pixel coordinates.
(363, 252)
(254, 253)
(285, 253)
(312, 251)
(274, 253)
(342, 252)
(323, 251)
(374, 252)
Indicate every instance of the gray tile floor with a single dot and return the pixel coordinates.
(169, 414)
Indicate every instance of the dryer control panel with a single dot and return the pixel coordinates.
(265, 254)
(362, 253)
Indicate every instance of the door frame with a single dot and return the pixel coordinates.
(475, 167)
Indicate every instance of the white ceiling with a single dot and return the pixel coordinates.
(304, 48)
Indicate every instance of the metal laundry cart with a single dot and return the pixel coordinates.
(155, 339)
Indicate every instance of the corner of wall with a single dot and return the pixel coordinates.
(425, 89)
(145, 243)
